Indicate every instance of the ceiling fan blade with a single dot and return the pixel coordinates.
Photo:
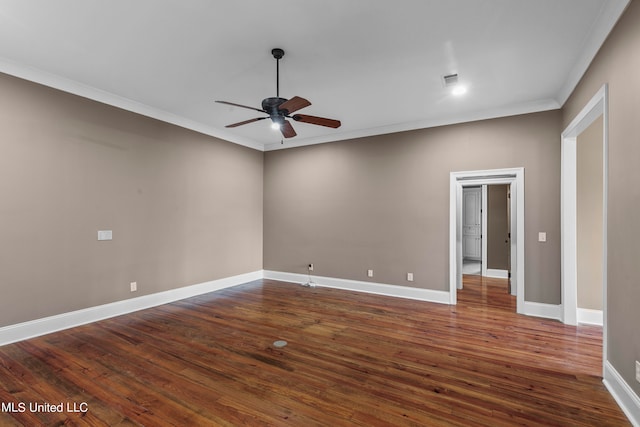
(287, 129)
(245, 122)
(294, 104)
(330, 123)
(240, 105)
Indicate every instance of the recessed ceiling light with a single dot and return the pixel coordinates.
(452, 81)
(459, 90)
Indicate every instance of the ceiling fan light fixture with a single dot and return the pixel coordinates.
(276, 122)
(279, 109)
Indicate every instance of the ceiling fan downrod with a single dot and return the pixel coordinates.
(277, 54)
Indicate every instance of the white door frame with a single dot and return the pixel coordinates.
(486, 271)
(458, 180)
(596, 107)
(483, 265)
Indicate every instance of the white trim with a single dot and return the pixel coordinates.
(485, 212)
(610, 12)
(497, 274)
(538, 309)
(455, 236)
(515, 178)
(512, 110)
(34, 328)
(596, 107)
(430, 295)
(66, 85)
(568, 245)
(624, 395)
(587, 316)
(108, 98)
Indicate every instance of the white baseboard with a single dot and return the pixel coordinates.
(34, 328)
(624, 395)
(537, 309)
(497, 274)
(551, 311)
(430, 295)
(588, 316)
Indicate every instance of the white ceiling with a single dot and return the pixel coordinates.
(376, 65)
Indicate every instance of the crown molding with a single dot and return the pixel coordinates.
(66, 85)
(610, 13)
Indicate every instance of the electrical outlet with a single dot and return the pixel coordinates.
(311, 267)
(134, 286)
(637, 371)
(369, 273)
(410, 277)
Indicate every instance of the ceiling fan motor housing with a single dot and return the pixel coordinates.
(270, 105)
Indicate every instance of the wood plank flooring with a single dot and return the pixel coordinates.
(352, 359)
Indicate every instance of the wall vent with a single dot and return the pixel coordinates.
(450, 80)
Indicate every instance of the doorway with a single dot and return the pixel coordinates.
(496, 259)
(514, 179)
(594, 111)
(486, 234)
(472, 230)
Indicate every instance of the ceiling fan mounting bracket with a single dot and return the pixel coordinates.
(277, 53)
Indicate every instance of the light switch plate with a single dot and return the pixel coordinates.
(542, 236)
(105, 235)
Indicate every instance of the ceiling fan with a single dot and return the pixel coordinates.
(281, 109)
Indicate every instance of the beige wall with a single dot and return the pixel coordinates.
(589, 219)
(618, 64)
(382, 202)
(497, 227)
(184, 208)
(187, 208)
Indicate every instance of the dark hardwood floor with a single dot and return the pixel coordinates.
(351, 359)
